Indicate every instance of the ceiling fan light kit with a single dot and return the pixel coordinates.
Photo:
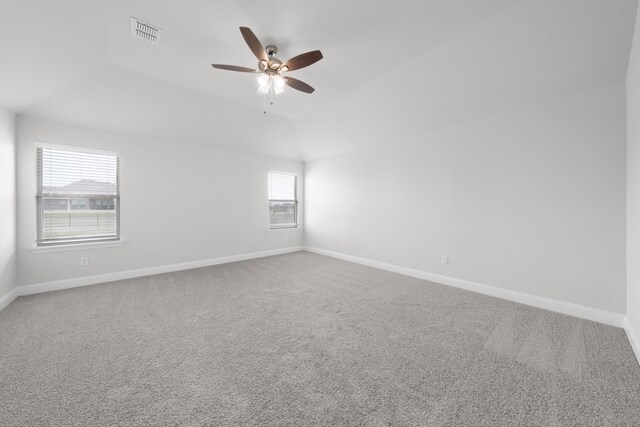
(271, 81)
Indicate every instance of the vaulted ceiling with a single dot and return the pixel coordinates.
(74, 61)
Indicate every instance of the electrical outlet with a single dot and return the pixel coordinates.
(444, 259)
(84, 260)
(286, 238)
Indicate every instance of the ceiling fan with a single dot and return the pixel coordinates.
(272, 79)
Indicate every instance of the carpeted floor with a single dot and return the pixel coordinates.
(302, 339)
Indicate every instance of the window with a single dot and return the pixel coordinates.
(78, 196)
(283, 206)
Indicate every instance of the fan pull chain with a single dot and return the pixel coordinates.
(270, 93)
(271, 88)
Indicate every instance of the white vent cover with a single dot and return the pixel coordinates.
(144, 31)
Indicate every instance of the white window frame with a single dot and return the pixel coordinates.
(52, 244)
(283, 227)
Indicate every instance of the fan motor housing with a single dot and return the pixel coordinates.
(273, 65)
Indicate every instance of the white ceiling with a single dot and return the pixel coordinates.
(47, 45)
(540, 50)
(74, 60)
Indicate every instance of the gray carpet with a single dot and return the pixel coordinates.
(302, 339)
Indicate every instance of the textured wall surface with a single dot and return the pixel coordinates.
(179, 203)
(8, 265)
(531, 200)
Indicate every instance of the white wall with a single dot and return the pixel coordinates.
(8, 272)
(181, 202)
(531, 200)
(633, 189)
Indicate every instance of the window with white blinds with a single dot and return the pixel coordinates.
(283, 206)
(78, 196)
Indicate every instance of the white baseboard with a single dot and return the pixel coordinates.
(7, 298)
(594, 314)
(606, 317)
(634, 338)
(130, 274)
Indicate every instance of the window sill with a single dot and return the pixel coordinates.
(284, 229)
(77, 247)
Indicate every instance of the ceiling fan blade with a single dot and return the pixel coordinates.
(254, 44)
(298, 84)
(234, 68)
(303, 60)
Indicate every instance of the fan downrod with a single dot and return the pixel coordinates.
(272, 50)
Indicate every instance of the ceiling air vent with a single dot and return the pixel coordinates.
(144, 31)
